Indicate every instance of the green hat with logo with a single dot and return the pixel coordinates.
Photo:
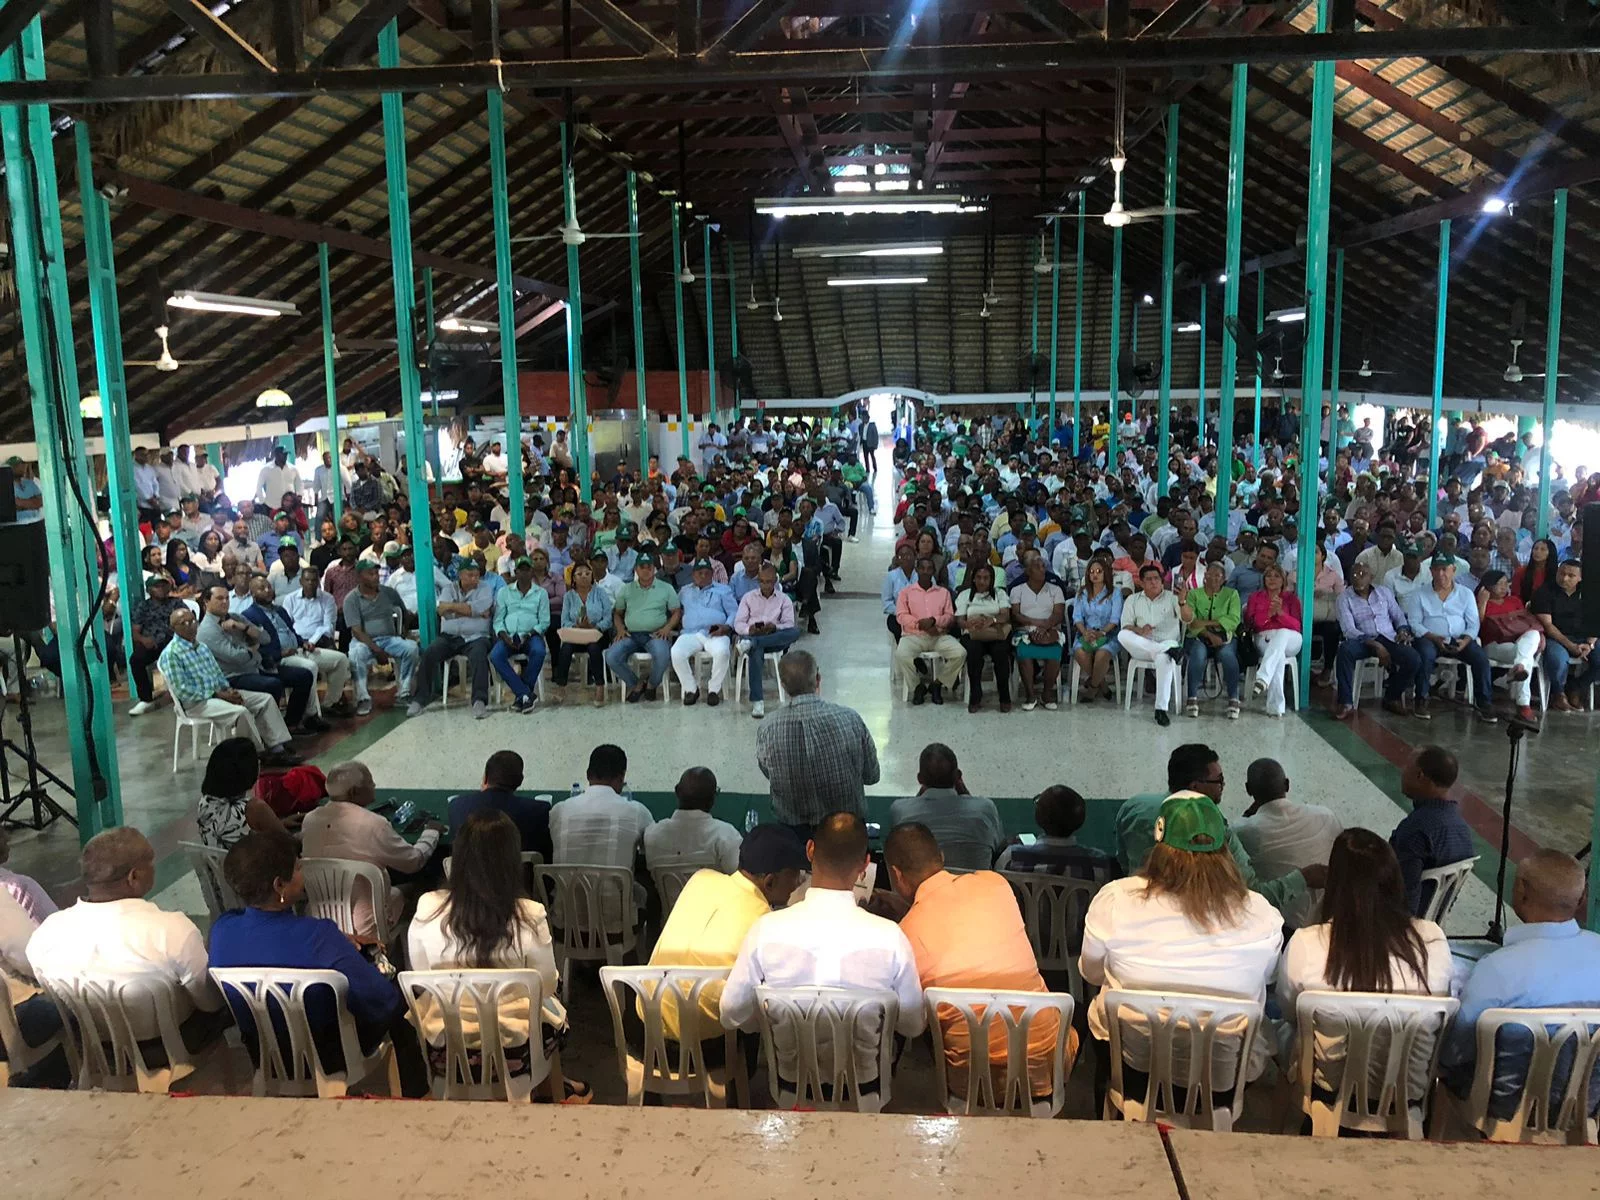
(1190, 821)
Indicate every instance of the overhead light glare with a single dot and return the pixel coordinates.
(1187, 327)
(273, 398)
(1149, 299)
(90, 407)
(447, 394)
(1495, 205)
(461, 325)
(243, 306)
(892, 185)
(1223, 278)
(876, 280)
(845, 206)
(1287, 316)
(851, 185)
(871, 250)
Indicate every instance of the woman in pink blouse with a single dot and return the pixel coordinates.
(1327, 585)
(1273, 614)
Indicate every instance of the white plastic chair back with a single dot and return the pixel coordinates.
(1053, 908)
(96, 1017)
(1383, 1035)
(1182, 1089)
(333, 885)
(477, 996)
(584, 903)
(19, 1055)
(530, 859)
(1448, 882)
(207, 864)
(657, 1069)
(1557, 1101)
(182, 720)
(821, 1024)
(275, 998)
(981, 1009)
(670, 882)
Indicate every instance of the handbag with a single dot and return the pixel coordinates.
(991, 633)
(1509, 626)
(573, 635)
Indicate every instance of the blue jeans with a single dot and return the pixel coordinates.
(402, 652)
(297, 681)
(1429, 652)
(531, 645)
(1403, 662)
(760, 646)
(1562, 670)
(1226, 654)
(659, 650)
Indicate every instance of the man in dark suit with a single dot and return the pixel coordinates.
(502, 776)
(282, 646)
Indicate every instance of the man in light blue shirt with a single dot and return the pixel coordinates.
(521, 615)
(897, 581)
(466, 610)
(30, 499)
(708, 612)
(1444, 619)
(1546, 962)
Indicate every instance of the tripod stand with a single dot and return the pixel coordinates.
(43, 809)
(1516, 730)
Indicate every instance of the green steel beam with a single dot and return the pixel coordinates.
(1077, 327)
(430, 333)
(733, 327)
(1169, 236)
(1338, 330)
(336, 463)
(1200, 402)
(1116, 347)
(1436, 441)
(1318, 193)
(506, 296)
(1230, 302)
(1055, 323)
(579, 433)
(405, 322)
(1033, 351)
(638, 320)
(1552, 355)
(1261, 323)
(106, 316)
(44, 307)
(677, 308)
(711, 326)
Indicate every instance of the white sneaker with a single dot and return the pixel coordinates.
(758, 709)
(414, 709)
(744, 645)
(480, 710)
(142, 707)
(854, 538)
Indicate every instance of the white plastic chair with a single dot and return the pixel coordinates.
(207, 864)
(593, 909)
(1194, 1024)
(741, 670)
(458, 665)
(101, 1047)
(530, 859)
(1448, 882)
(1053, 908)
(933, 661)
(443, 995)
(1383, 1034)
(20, 1056)
(641, 664)
(1367, 671)
(1137, 668)
(657, 1070)
(979, 1009)
(275, 997)
(518, 661)
(183, 720)
(1291, 687)
(1075, 678)
(820, 1022)
(332, 889)
(1451, 675)
(670, 882)
(1549, 1031)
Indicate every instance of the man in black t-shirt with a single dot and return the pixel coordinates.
(1569, 653)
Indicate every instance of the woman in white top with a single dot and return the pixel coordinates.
(482, 920)
(1368, 941)
(1152, 632)
(983, 614)
(1038, 615)
(1187, 923)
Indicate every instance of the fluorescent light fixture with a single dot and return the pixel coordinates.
(273, 398)
(893, 185)
(1287, 316)
(871, 250)
(447, 394)
(90, 407)
(1495, 205)
(851, 185)
(876, 280)
(1187, 327)
(243, 306)
(844, 206)
(460, 325)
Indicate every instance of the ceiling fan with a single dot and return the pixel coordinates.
(165, 363)
(570, 234)
(1515, 374)
(1364, 371)
(1119, 215)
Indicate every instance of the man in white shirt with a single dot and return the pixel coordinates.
(184, 474)
(168, 493)
(346, 827)
(599, 826)
(36, 1014)
(276, 480)
(1282, 835)
(114, 929)
(826, 940)
(692, 836)
(209, 477)
(146, 489)
(311, 609)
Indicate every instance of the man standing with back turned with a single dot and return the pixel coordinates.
(818, 756)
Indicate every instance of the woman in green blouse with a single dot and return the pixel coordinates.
(1211, 617)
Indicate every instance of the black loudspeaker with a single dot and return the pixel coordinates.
(1590, 588)
(24, 577)
(8, 496)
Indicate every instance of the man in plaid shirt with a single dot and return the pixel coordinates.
(197, 684)
(818, 756)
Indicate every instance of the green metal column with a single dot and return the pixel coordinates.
(1552, 356)
(1230, 302)
(1169, 236)
(1436, 442)
(638, 320)
(733, 328)
(1318, 190)
(1033, 351)
(1261, 323)
(405, 322)
(578, 434)
(1200, 406)
(1055, 324)
(337, 464)
(1077, 327)
(430, 333)
(1338, 330)
(45, 312)
(506, 295)
(711, 327)
(1116, 344)
(677, 308)
(107, 321)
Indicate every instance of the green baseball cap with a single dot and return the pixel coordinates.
(1190, 821)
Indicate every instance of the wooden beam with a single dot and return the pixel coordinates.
(14, 18)
(687, 22)
(218, 33)
(99, 38)
(789, 131)
(1174, 18)
(359, 35)
(1058, 18)
(747, 29)
(622, 28)
(288, 34)
(944, 117)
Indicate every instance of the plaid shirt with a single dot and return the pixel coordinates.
(819, 758)
(191, 671)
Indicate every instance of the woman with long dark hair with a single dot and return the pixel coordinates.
(185, 577)
(1537, 572)
(1368, 941)
(483, 919)
(983, 615)
(229, 807)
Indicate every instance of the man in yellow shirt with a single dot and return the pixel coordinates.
(713, 914)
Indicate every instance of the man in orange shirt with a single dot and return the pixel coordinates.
(966, 931)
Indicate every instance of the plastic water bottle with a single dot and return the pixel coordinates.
(577, 790)
(750, 820)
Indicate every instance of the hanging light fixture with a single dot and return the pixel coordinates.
(273, 398)
(244, 306)
(90, 407)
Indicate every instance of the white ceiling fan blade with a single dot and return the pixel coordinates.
(1159, 210)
